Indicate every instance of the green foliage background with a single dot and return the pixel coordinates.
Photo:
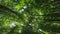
(29, 16)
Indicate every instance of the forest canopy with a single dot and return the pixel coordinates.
(29, 16)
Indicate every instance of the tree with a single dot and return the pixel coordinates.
(29, 17)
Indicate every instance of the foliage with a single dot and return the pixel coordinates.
(29, 17)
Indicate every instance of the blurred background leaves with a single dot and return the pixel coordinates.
(29, 17)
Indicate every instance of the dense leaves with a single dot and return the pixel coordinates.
(29, 17)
